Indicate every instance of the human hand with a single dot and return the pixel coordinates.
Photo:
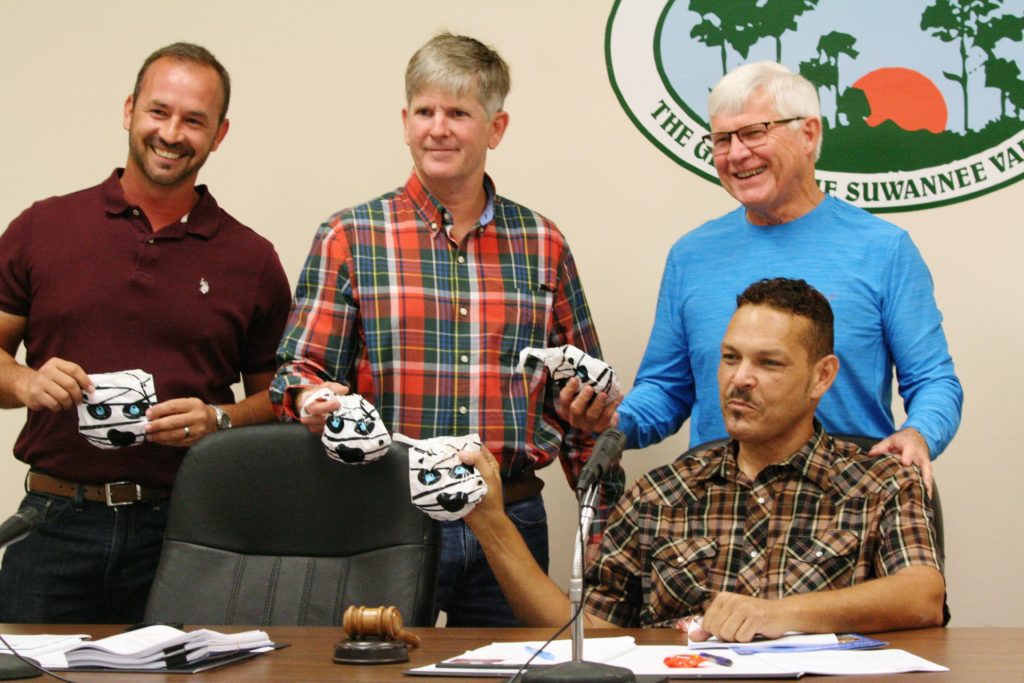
(314, 407)
(739, 619)
(912, 449)
(492, 504)
(57, 385)
(586, 409)
(179, 422)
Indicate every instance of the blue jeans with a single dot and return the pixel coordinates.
(85, 562)
(467, 591)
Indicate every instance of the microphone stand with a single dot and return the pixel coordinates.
(587, 511)
(578, 669)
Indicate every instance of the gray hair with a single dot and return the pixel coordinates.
(790, 94)
(459, 65)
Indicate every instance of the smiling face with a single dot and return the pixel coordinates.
(448, 136)
(774, 181)
(769, 386)
(173, 124)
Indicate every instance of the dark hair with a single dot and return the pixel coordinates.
(799, 298)
(190, 54)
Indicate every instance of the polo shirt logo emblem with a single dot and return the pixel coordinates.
(204, 286)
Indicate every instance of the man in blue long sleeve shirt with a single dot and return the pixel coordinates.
(766, 136)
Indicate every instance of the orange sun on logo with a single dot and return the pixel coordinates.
(905, 97)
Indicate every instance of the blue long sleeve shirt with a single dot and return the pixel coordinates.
(885, 316)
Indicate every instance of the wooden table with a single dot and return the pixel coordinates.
(973, 654)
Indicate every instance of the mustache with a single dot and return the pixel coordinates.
(744, 395)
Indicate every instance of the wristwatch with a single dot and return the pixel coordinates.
(223, 419)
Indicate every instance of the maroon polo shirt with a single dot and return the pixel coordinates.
(196, 305)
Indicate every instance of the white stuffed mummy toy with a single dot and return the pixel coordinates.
(568, 361)
(354, 433)
(440, 484)
(113, 414)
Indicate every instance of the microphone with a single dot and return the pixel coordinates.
(19, 525)
(607, 451)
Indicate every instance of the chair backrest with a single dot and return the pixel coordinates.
(865, 443)
(265, 529)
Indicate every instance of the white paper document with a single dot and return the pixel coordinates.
(504, 659)
(514, 655)
(849, 662)
(152, 647)
(36, 646)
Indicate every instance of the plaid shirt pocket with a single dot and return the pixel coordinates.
(823, 560)
(678, 582)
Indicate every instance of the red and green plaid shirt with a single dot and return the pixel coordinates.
(430, 330)
(828, 517)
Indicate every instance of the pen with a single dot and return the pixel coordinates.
(544, 654)
(717, 659)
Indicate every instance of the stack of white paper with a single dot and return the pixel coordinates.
(36, 646)
(152, 647)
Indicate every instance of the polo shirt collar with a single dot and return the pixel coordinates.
(203, 220)
(432, 211)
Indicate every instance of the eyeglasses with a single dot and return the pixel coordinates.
(754, 135)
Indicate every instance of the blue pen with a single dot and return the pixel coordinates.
(544, 654)
(717, 659)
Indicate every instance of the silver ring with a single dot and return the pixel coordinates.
(187, 431)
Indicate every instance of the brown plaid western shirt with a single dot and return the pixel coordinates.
(828, 517)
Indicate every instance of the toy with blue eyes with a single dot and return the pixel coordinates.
(567, 361)
(441, 484)
(354, 433)
(113, 414)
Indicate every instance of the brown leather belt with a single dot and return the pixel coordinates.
(521, 489)
(113, 494)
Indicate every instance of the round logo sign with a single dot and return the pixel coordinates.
(922, 101)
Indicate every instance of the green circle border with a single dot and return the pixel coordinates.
(679, 102)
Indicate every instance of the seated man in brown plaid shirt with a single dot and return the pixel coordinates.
(782, 528)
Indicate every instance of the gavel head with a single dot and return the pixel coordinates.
(384, 623)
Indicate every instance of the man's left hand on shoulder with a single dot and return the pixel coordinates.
(180, 422)
(912, 449)
(740, 618)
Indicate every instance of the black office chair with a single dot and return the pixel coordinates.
(265, 529)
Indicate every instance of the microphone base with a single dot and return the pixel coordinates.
(583, 672)
(12, 668)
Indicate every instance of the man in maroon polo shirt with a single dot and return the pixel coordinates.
(144, 271)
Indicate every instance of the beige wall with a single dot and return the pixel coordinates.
(315, 127)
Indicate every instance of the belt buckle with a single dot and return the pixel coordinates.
(110, 500)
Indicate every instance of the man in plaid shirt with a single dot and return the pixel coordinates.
(782, 528)
(421, 300)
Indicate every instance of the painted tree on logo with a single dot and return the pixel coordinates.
(775, 17)
(1002, 74)
(823, 71)
(969, 24)
(740, 24)
(725, 25)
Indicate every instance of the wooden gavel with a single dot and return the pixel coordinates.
(377, 622)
